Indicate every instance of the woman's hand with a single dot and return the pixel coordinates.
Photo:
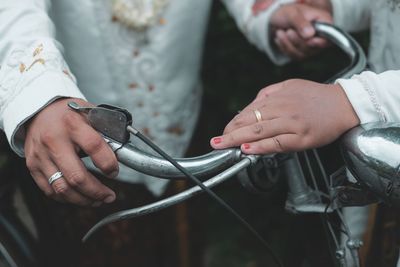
(293, 32)
(295, 115)
(53, 139)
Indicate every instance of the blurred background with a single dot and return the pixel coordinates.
(197, 233)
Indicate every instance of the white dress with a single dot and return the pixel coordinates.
(64, 48)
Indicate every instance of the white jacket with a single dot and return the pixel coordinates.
(44, 43)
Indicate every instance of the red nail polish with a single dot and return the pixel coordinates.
(246, 146)
(217, 140)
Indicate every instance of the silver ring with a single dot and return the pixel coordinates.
(258, 115)
(55, 177)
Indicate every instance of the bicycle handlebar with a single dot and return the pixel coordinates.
(216, 161)
(219, 161)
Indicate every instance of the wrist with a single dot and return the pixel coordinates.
(350, 117)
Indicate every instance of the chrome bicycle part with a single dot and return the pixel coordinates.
(175, 199)
(304, 197)
(371, 153)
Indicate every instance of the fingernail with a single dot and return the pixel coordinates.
(114, 174)
(97, 204)
(109, 199)
(246, 146)
(308, 31)
(217, 140)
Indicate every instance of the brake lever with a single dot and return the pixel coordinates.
(110, 121)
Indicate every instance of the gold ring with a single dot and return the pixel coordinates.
(258, 115)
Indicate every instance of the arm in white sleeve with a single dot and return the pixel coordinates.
(256, 27)
(374, 97)
(33, 72)
(352, 15)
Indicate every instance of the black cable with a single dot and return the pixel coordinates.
(208, 191)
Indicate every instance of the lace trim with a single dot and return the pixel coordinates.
(373, 98)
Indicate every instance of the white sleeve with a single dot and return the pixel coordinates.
(33, 72)
(352, 15)
(256, 27)
(374, 97)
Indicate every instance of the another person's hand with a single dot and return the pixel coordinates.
(321, 4)
(54, 138)
(295, 115)
(293, 32)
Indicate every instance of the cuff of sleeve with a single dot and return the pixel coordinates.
(260, 27)
(360, 100)
(43, 90)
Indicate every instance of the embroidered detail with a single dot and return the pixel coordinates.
(136, 53)
(39, 60)
(133, 85)
(22, 67)
(38, 50)
(162, 21)
(175, 130)
(14, 78)
(373, 98)
(138, 15)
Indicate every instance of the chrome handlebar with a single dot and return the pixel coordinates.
(217, 161)
(220, 162)
(204, 165)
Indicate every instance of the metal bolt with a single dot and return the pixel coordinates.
(354, 243)
(340, 253)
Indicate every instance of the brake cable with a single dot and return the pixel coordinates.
(214, 196)
(116, 123)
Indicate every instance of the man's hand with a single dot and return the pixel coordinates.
(294, 33)
(296, 115)
(53, 140)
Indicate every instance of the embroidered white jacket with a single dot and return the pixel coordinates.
(158, 82)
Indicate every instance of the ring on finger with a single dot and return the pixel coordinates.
(258, 115)
(55, 177)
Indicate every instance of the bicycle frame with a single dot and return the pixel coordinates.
(225, 164)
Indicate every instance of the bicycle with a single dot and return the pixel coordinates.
(256, 173)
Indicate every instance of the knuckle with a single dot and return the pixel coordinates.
(76, 179)
(262, 92)
(60, 188)
(108, 166)
(94, 145)
(257, 129)
(31, 163)
(237, 121)
(99, 195)
(47, 138)
(70, 118)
